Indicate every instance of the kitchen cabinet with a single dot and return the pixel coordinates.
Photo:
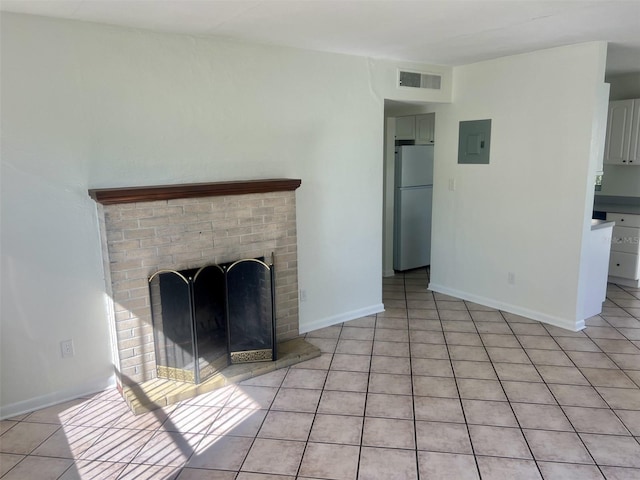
(425, 128)
(623, 133)
(599, 131)
(420, 128)
(594, 266)
(624, 262)
(634, 149)
(406, 128)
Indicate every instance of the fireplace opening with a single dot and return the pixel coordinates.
(209, 317)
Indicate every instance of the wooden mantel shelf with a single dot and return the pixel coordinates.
(111, 196)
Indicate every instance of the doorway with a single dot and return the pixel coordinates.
(392, 110)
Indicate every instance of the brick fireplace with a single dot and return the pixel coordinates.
(146, 229)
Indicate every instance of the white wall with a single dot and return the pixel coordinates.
(388, 192)
(89, 106)
(622, 180)
(624, 86)
(529, 209)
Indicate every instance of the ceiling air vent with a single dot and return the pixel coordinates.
(420, 80)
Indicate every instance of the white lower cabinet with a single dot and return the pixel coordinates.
(625, 239)
(623, 265)
(593, 271)
(624, 261)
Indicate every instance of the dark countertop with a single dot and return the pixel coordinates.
(611, 204)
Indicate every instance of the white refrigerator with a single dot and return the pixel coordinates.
(412, 205)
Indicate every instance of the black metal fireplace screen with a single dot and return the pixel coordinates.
(206, 318)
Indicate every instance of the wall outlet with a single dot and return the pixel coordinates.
(511, 278)
(303, 295)
(452, 184)
(66, 347)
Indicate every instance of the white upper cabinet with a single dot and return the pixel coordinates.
(634, 148)
(406, 128)
(600, 126)
(425, 128)
(623, 127)
(420, 128)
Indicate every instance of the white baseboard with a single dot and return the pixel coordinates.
(626, 282)
(389, 273)
(53, 398)
(343, 317)
(567, 324)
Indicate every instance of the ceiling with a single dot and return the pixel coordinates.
(446, 32)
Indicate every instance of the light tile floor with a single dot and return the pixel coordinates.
(433, 388)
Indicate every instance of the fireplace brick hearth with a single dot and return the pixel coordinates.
(145, 229)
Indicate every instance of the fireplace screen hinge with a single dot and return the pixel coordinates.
(206, 318)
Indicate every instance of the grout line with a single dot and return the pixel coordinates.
(413, 397)
(455, 382)
(558, 402)
(93, 402)
(315, 413)
(524, 437)
(255, 437)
